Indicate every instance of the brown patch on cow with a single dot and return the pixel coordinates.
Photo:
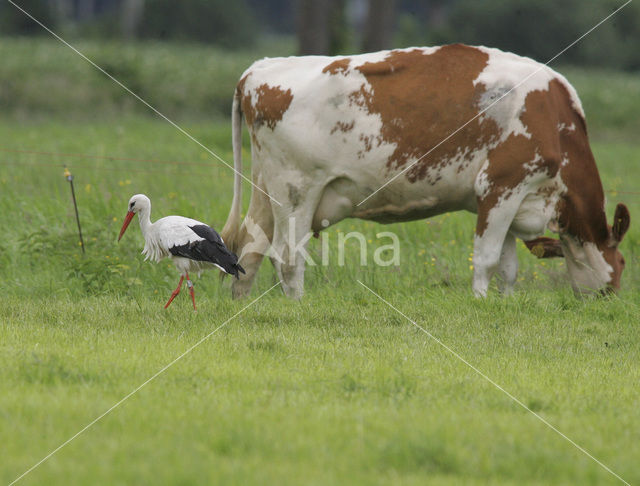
(340, 66)
(368, 141)
(245, 100)
(343, 127)
(247, 108)
(361, 98)
(419, 97)
(388, 66)
(270, 106)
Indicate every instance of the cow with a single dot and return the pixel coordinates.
(407, 134)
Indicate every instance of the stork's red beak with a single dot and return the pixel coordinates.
(127, 220)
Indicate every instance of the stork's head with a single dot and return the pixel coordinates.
(137, 203)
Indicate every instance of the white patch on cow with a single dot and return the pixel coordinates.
(532, 165)
(564, 127)
(482, 184)
(537, 210)
(588, 269)
(361, 59)
(514, 77)
(319, 110)
(372, 57)
(457, 174)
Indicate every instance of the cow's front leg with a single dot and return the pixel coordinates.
(508, 265)
(494, 247)
(485, 262)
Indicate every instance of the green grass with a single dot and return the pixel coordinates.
(611, 101)
(335, 389)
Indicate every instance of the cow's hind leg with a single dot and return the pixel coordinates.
(254, 240)
(292, 231)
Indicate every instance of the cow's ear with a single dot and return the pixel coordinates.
(544, 247)
(621, 220)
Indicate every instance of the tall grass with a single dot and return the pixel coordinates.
(44, 78)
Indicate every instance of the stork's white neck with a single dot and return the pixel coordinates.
(144, 215)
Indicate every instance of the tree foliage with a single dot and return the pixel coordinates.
(229, 24)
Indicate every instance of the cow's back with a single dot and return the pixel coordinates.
(435, 113)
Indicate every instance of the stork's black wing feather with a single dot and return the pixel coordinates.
(207, 232)
(210, 249)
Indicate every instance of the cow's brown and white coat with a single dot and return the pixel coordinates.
(327, 132)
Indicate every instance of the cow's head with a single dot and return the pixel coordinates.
(592, 266)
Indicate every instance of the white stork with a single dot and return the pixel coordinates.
(192, 246)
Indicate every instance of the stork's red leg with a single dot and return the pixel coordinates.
(193, 295)
(175, 292)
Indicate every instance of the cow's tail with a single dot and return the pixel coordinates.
(232, 226)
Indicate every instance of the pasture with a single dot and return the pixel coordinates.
(335, 389)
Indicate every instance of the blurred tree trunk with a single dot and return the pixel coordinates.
(379, 26)
(338, 28)
(85, 10)
(131, 15)
(321, 26)
(63, 10)
(313, 35)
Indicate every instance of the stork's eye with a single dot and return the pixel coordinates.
(131, 205)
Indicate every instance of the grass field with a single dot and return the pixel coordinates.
(335, 389)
